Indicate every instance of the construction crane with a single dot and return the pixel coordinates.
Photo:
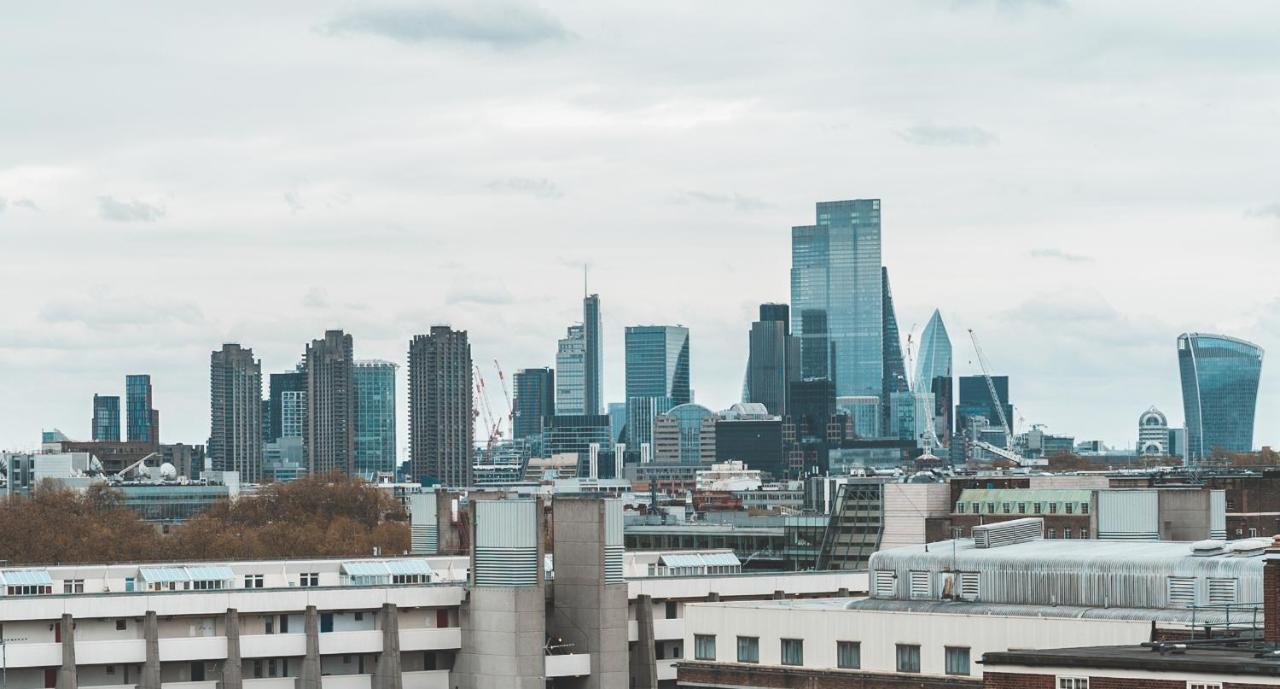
(493, 427)
(1005, 452)
(511, 410)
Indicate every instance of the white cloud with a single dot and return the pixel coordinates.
(117, 210)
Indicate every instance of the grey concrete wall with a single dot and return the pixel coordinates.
(644, 664)
(232, 668)
(587, 612)
(503, 639)
(151, 668)
(67, 677)
(309, 675)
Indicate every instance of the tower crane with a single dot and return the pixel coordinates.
(492, 425)
(511, 410)
(1005, 452)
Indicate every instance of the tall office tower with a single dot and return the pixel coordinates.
(440, 403)
(1219, 392)
(329, 427)
(106, 418)
(773, 359)
(593, 356)
(895, 371)
(535, 402)
(142, 421)
(571, 364)
(375, 416)
(235, 412)
(975, 401)
(657, 376)
(837, 297)
(933, 374)
(617, 421)
(1153, 433)
(279, 384)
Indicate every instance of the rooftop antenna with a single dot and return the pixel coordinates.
(585, 267)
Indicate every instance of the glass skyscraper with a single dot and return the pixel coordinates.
(933, 373)
(375, 383)
(106, 418)
(1220, 377)
(837, 298)
(142, 421)
(593, 356)
(571, 366)
(773, 359)
(534, 402)
(895, 370)
(657, 376)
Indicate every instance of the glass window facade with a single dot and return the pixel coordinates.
(1220, 377)
(704, 647)
(793, 651)
(957, 660)
(571, 382)
(375, 417)
(748, 649)
(908, 658)
(848, 655)
(141, 420)
(106, 418)
(657, 376)
(837, 294)
(534, 402)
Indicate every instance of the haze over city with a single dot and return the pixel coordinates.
(174, 178)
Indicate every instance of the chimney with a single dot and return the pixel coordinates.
(1271, 593)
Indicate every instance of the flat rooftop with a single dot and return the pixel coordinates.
(1216, 658)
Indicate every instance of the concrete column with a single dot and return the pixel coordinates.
(67, 673)
(387, 674)
(309, 676)
(232, 670)
(644, 657)
(151, 667)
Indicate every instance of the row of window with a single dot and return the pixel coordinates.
(1036, 507)
(848, 654)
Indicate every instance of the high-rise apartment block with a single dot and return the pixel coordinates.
(235, 412)
(329, 425)
(1220, 377)
(142, 421)
(657, 376)
(106, 418)
(440, 405)
(837, 296)
(773, 360)
(375, 417)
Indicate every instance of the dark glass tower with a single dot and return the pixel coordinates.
(534, 402)
(1220, 377)
(375, 383)
(280, 383)
(593, 361)
(975, 400)
(773, 359)
(106, 418)
(142, 421)
(895, 371)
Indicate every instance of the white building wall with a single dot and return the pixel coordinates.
(906, 505)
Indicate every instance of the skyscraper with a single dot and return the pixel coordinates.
(534, 403)
(375, 416)
(571, 367)
(281, 383)
(773, 359)
(895, 371)
(837, 296)
(235, 412)
(106, 418)
(329, 427)
(975, 400)
(1220, 377)
(657, 376)
(142, 421)
(933, 374)
(440, 403)
(593, 356)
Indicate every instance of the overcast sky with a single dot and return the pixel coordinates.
(1078, 182)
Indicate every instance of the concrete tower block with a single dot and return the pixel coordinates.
(67, 678)
(232, 669)
(151, 666)
(309, 676)
(387, 674)
(644, 659)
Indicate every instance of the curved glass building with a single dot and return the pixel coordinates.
(1219, 392)
(933, 374)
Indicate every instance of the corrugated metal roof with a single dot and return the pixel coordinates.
(25, 577)
(1027, 495)
(1066, 611)
(613, 522)
(682, 560)
(408, 567)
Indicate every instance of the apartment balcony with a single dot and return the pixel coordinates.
(569, 665)
(663, 630)
(426, 679)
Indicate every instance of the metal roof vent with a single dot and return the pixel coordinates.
(1008, 533)
(1208, 548)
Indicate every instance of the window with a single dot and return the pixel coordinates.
(959, 508)
(671, 610)
(1203, 685)
(748, 649)
(1053, 533)
(1066, 507)
(128, 583)
(111, 669)
(704, 647)
(253, 581)
(977, 507)
(359, 617)
(957, 660)
(121, 625)
(1253, 533)
(1022, 508)
(326, 622)
(848, 655)
(310, 579)
(793, 651)
(1007, 508)
(908, 658)
(1053, 508)
(73, 586)
(991, 508)
(1084, 533)
(1073, 683)
(271, 625)
(1084, 508)
(1036, 506)
(1066, 533)
(408, 579)
(209, 585)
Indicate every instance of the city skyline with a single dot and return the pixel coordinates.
(1061, 235)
